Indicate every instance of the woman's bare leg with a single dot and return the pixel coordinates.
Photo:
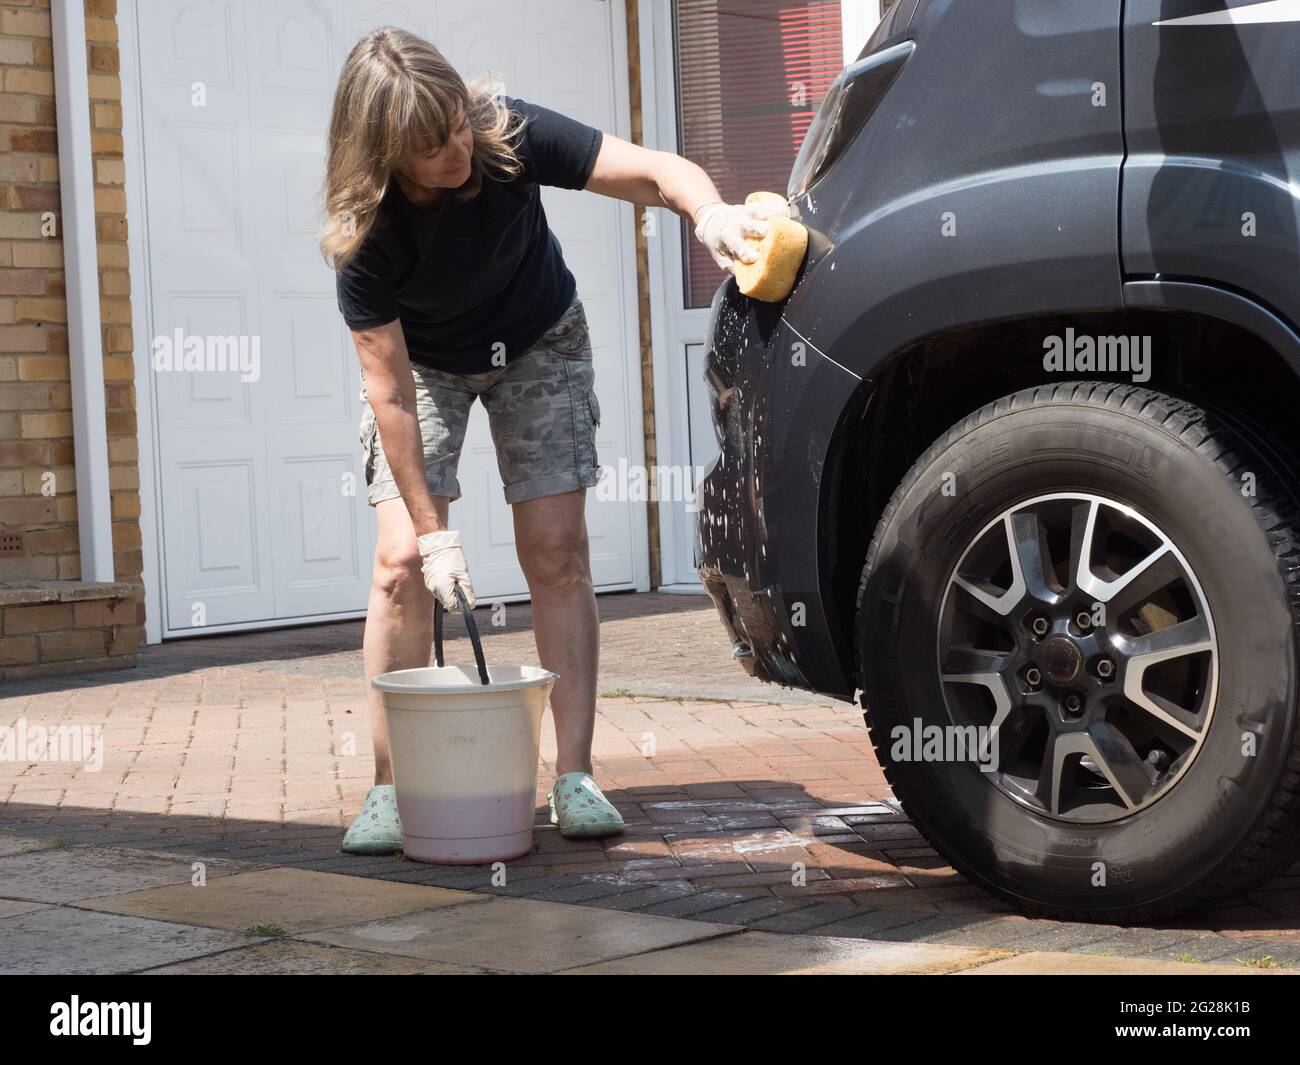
(551, 540)
(399, 620)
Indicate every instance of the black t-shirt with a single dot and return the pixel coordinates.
(465, 276)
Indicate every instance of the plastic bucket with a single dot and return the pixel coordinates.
(465, 755)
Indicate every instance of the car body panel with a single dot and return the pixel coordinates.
(955, 207)
(1215, 301)
(1212, 114)
(757, 538)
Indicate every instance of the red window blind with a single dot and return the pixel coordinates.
(750, 76)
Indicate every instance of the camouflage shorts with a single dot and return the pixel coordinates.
(541, 407)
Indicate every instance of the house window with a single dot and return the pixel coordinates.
(750, 76)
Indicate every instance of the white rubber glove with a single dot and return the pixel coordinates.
(726, 229)
(444, 566)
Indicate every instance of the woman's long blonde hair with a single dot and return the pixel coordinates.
(397, 94)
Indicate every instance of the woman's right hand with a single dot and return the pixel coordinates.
(728, 230)
(444, 566)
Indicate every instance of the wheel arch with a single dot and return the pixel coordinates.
(1214, 346)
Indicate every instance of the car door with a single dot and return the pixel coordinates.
(1212, 120)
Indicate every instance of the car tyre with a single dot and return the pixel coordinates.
(1182, 786)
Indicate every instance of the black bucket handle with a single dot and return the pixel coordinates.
(470, 625)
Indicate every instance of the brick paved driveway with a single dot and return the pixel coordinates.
(256, 747)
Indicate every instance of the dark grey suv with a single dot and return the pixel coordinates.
(1017, 460)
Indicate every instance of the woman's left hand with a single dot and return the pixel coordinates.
(728, 230)
(444, 566)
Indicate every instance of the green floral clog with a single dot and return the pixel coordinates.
(581, 810)
(377, 829)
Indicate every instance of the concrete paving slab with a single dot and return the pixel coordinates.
(521, 935)
(295, 900)
(293, 958)
(773, 954)
(74, 874)
(1053, 963)
(63, 940)
(13, 907)
(19, 844)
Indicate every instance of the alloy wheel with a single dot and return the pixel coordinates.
(1075, 636)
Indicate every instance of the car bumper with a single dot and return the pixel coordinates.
(759, 545)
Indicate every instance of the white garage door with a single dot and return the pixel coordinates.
(260, 495)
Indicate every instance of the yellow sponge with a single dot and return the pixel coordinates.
(771, 276)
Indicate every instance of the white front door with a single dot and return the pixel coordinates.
(725, 71)
(260, 495)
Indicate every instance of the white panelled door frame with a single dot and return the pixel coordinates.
(626, 339)
(678, 332)
(141, 317)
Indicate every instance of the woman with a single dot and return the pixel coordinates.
(454, 287)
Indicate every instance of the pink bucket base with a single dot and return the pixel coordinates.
(466, 831)
(467, 851)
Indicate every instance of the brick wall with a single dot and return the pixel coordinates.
(67, 626)
(37, 477)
